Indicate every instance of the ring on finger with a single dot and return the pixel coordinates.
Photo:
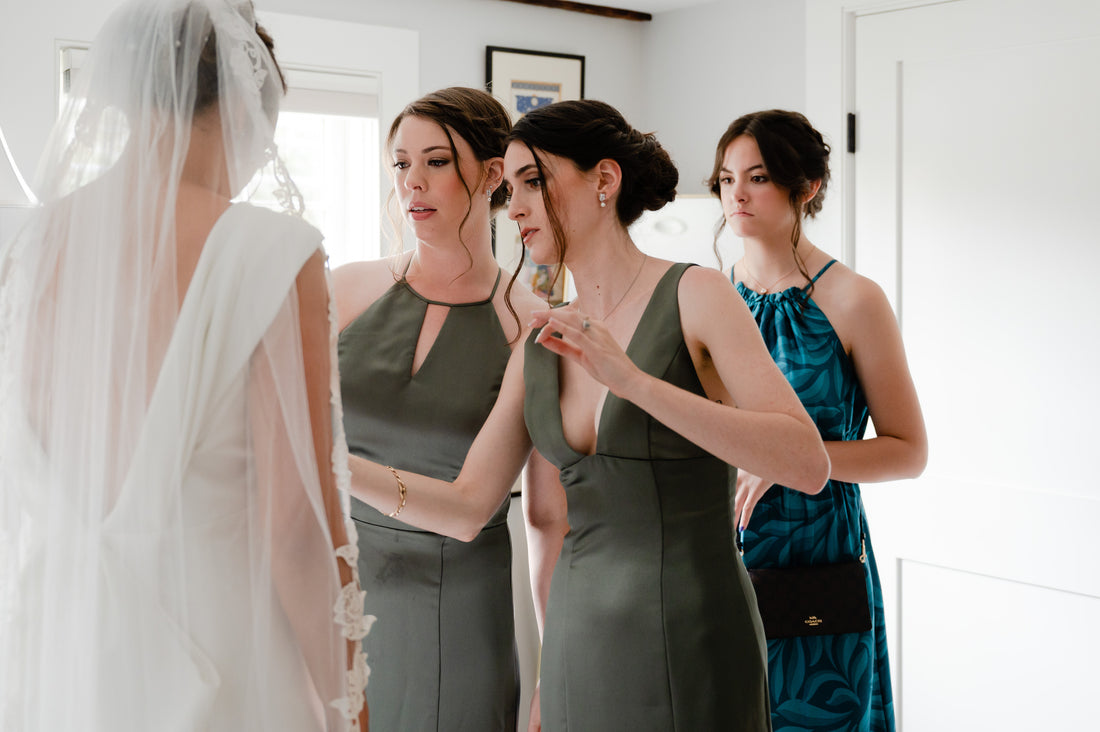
(586, 324)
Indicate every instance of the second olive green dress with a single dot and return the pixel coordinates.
(442, 652)
(651, 623)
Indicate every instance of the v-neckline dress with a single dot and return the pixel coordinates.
(651, 622)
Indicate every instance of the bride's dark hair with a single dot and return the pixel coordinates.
(206, 86)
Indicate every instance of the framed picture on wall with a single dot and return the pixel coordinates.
(525, 80)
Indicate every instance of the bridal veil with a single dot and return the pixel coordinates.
(168, 526)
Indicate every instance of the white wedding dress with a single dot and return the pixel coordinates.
(173, 471)
(204, 617)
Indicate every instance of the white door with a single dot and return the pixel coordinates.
(977, 192)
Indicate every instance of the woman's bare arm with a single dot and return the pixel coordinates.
(900, 447)
(461, 509)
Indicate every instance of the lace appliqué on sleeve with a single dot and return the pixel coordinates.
(348, 611)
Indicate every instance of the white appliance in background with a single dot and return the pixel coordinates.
(683, 231)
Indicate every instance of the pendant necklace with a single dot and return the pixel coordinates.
(766, 290)
(628, 287)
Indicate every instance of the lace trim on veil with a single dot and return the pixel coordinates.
(348, 611)
(246, 63)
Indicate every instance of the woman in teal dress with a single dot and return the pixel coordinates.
(424, 340)
(639, 392)
(834, 336)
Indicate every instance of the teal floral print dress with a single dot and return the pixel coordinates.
(837, 682)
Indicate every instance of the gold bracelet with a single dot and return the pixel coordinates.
(402, 491)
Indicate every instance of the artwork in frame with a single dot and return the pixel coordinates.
(525, 80)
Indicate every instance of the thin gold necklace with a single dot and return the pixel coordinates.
(628, 287)
(766, 290)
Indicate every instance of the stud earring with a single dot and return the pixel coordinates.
(603, 200)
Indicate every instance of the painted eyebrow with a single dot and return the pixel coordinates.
(425, 150)
(524, 169)
(758, 166)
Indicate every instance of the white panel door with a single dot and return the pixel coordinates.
(977, 186)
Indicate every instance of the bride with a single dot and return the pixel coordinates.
(173, 547)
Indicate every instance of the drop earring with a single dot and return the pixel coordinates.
(603, 200)
(489, 195)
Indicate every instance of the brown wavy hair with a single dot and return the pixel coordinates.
(479, 119)
(795, 155)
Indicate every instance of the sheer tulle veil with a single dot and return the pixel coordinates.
(142, 536)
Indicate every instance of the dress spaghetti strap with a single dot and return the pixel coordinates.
(821, 271)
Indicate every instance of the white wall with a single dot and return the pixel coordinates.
(454, 34)
(704, 66)
(28, 69)
(28, 66)
(684, 75)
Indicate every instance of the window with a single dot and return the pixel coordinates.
(328, 136)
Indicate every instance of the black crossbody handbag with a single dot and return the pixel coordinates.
(822, 599)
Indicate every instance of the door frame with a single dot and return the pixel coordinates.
(831, 96)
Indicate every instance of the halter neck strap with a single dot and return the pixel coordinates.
(405, 282)
(820, 272)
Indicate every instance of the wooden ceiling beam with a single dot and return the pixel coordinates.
(601, 10)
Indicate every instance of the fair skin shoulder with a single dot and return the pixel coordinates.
(759, 211)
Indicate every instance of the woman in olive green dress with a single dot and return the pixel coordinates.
(424, 340)
(640, 392)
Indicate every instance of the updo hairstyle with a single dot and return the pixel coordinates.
(587, 131)
(206, 88)
(794, 153)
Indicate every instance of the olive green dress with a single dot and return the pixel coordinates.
(651, 622)
(442, 653)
